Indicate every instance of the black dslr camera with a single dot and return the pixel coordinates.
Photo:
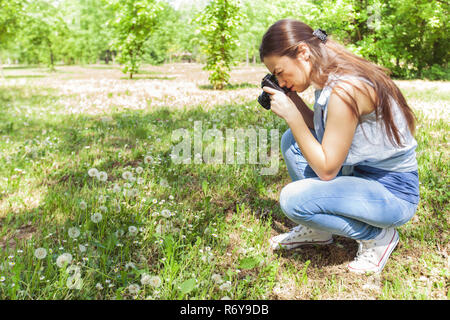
(269, 81)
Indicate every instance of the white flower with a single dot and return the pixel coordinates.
(40, 253)
(96, 217)
(101, 198)
(145, 279)
(83, 205)
(130, 265)
(116, 188)
(65, 258)
(127, 175)
(99, 286)
(132, 230)
(2, 278)
(148, 159)
(165, 213)
(155, 201)
(134, 288)
(155, 281)
(82, 248)
(171, 197)
(139, 170)
(140, 180)
(155, 214)
(103, 208)
(102, 176)
(216, 278)
(226, 286)
(73, 232)
(93, 172)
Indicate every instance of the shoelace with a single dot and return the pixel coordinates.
(365, 250)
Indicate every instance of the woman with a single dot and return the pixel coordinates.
(352, 161)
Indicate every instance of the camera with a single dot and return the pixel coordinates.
(269, 81)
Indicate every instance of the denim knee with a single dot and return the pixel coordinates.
(291, 198)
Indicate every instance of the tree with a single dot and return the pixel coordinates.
(219, 23)
(132, 25)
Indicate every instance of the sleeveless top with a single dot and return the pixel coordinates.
(371, 154)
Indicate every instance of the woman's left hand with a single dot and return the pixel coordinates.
(282, 105)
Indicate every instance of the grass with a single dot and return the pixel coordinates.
(202, 229)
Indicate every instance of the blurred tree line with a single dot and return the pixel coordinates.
(407, 36)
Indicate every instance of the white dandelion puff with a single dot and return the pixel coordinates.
(148, 159)
(102, 176)
(103, 209)
(73, 232)
(134, 288)
(226, 286)
(96, 217)
(83, 205)
(140, 180)
(155, 281)
(132, 230)
(99, 286)
(40, 253)
(82, 248)
(93, 172)
(116, 188)
(127, 175)
(165, 213)
(139, 170)
(65, 258)
(217, 278)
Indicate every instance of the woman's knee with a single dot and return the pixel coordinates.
(292, 198)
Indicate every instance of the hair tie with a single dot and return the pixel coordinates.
(321, 34)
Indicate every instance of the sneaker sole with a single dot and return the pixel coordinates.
(292, 245)
(393, 243)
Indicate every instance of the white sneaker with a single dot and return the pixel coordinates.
(373, 254)
(298, 236)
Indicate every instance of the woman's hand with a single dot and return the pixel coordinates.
(282, 105)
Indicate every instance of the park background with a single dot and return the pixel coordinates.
(92, 205)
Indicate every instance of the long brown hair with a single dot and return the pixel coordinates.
(283, 38)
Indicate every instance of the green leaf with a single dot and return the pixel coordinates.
(248, 263)
(187, 286)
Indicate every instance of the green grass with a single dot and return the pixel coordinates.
(222, 215)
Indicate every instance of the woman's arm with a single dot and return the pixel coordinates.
(307, 113)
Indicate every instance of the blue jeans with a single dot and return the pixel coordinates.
(348, 205)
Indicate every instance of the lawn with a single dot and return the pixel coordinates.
(88, 178)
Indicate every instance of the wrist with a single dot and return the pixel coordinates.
(294, 118)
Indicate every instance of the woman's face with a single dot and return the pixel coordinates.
(291, 73)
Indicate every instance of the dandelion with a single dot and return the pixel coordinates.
(99, 286)
(127, 175)
(130, 265)
(140, 181)
(148, 159)
(119, 233)
(217, 278)
(165, 213)
(102, 176)
(83, 205)
(65, 258)
(40, 253)
(116, 188)
(132, 230)
(73, 232)
(226, 286)
(93, 172)
(82, 248)
(101, 198)
(139, 170)
(154, 281)
(145, 279)
(103, 209)
(96, 217)
(134, 288)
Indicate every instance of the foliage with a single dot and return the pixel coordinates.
(133, 23)
(218, 26)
